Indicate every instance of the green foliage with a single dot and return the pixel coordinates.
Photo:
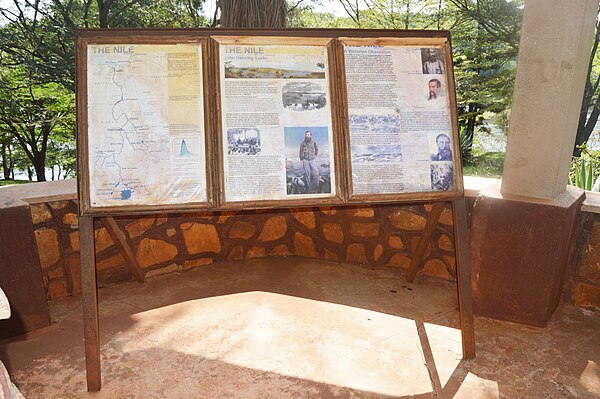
(489, 164)
(12, 182)
(590, 107)
(485, 47)
(585, 169)
(485, 38)
(466, 144)
(37, 75)
(37, 44)
(502, 120)
(36, 114)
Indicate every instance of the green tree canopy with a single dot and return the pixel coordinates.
(32, 112)
(37, 54)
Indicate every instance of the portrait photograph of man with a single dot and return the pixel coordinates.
(307, 160)
(444, 148)
(435, 91)
(433, 61)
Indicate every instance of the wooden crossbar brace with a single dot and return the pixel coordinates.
(417, 259)
(121, 242)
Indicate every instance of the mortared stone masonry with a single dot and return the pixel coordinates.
(377, 236)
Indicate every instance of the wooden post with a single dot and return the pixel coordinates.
(463, 277)
(121, 242)
(434, 216)
(89, 298)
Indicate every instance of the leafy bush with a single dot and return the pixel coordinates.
(585, 170)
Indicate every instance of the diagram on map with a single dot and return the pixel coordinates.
(145, 125)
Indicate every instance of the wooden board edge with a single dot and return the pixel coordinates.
(272, 40)
(394, 41)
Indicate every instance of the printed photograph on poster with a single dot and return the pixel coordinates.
(308, 169)
(433, 60)
(248, 69)
(383, 123)
(442, 176)
(440, 147)
(377, 153)
(303, 96)
(435, 90)
(243, 141)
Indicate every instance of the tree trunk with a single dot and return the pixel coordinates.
(466, 140)
(585, 129)
(586, 125)
(470, 132)
(6, 162)
(103, 8)
(40, 168)
(253, 13)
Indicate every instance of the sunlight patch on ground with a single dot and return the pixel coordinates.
(472, 383)
(446, 348)
(295, 337)
(590, 377)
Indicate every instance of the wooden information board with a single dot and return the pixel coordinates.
(175, 120)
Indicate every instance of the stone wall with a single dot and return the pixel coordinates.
(375, 236)
(583, 286)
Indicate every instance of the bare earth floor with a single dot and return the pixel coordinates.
(299, 328)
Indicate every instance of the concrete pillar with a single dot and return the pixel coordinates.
(556, 40)
(522, 232)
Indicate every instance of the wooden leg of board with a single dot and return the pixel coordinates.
(463, 277)
(89, 298)
(415, 263)
(121, 242)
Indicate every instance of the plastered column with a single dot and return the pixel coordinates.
(556, 41)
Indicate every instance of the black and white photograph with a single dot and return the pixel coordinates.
(433, 61)
(377, 153)
(303, 96)
(385, 123)
(442, 177)
(440, 147)
(248, 69)
(243, 141)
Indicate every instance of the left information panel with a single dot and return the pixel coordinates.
(145, 122)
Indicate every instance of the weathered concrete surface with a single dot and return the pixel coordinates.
(20, 272)
(520, 253)
(301, 328)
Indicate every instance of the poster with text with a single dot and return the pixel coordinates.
(276, 122)
(399, 117)
(146, 142)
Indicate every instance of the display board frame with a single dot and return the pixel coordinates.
(327, 43)
(213, 124)
(402, 42)
(214, 147)
(112, 39)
